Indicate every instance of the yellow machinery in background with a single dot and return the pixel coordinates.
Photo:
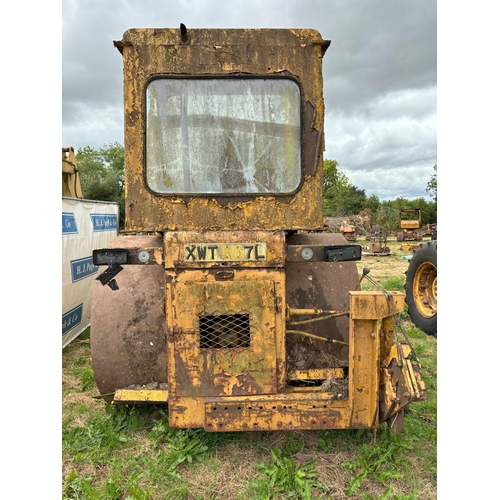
(70, 177)
(410, 220)
(224, 297)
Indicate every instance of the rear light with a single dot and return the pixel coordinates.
(109, 256)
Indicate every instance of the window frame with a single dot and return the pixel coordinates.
(228, 195)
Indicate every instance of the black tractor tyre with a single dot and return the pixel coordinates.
(421, 288)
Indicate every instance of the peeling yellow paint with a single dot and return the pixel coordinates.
(226, 314)
(149, 52)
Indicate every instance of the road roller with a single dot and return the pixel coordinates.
(225, 297)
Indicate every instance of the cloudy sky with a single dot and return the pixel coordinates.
(380, 76)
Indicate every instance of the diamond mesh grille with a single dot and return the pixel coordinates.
(224, 331)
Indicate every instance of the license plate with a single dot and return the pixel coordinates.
(224, 252)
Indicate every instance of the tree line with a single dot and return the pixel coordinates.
(101, 175)
(342, 198)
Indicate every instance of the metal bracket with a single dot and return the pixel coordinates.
(106, 277)
(340, 253)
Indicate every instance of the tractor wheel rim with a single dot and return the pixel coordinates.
(425, 289)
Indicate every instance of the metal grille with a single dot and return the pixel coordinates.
(224, 331)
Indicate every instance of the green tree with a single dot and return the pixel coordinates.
(425, 209)
(101, 174)
(330, 174)
(387, 216)
(350, 199)
(340, 195)
(373, 203)
(432, 185)
(330, 177)
(432, 189)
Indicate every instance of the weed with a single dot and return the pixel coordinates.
(326, 440)
(380, 461)
(136, 491)
(80, 488)
(357, 436)
(119, 484)
(387, 494)
(82, 339)
(87, 379)
(283, 475)
(101, 434)
(404, 314)
(182, 446)
(159, 430)
(394, 283)
(293, 445)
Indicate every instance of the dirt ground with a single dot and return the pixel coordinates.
(383, 267)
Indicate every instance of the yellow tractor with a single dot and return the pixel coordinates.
(225, 298)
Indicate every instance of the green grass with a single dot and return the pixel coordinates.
(130, 452)
(394, 283)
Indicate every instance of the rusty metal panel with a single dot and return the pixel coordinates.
(409, 224)
(364, 365)
(374, 305)
(401, 384)
(128, 334)
(276, 53)
(279, 412)
(386, 334)
(312, 284)
(316, 374)
(228, 367)
(143, 395)
(186, 412)
(315, 252)
(294, 410)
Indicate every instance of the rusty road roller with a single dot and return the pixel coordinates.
(224, 298)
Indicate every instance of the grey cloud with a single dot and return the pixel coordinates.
(408, 182)
(378, 47)
(379, 72)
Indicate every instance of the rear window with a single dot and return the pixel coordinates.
(223, 136)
